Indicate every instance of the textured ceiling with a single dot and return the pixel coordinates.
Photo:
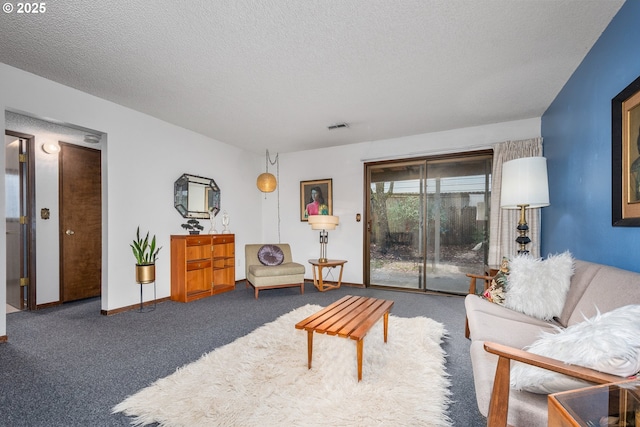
(275, 73)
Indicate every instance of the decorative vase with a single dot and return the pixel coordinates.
(225, 223)
(145, 273)
(212, 218)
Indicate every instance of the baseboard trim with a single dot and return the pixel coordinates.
(48, 305)
(353, 285)
(133, 307)
(147, 303)
(3, 339)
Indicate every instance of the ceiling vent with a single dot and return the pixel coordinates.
(338, 126)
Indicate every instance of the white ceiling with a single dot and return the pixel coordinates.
(275, 73)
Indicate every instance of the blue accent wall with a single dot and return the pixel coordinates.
(577, 143)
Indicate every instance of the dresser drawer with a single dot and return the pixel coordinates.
(223, 238)
(198, 240)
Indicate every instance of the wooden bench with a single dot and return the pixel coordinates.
(349, 317)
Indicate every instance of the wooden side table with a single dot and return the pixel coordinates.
(317, 278)
(609, 404)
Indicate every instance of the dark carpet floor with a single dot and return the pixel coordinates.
(69, 365)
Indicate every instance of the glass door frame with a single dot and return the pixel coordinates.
(367, 225)
(27, 210)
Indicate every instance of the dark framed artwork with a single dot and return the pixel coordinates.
(625, 156)
(316, 198)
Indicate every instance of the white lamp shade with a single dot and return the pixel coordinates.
(524, 182)
(323, 222)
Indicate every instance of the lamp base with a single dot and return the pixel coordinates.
(523, 240)
(324, 239)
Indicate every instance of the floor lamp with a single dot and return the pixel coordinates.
(323, 223)
(524, 185)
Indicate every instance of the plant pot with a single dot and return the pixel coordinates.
(194, 232)
(145, 273)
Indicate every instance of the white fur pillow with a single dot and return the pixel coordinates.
(608, 342)
(538, 287)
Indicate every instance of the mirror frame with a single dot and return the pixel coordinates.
(210, 196)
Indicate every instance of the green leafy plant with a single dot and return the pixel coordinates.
(144, 251)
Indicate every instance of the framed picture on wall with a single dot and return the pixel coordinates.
(316, 198)
(625, 156)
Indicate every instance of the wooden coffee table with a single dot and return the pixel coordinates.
(349, 317)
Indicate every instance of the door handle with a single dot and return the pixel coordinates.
(70, 232)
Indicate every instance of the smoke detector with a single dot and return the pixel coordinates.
(92, 139)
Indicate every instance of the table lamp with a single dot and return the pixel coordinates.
(323, 223)
(524, 185)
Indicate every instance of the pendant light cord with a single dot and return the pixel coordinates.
(278, 196)
(277, 165)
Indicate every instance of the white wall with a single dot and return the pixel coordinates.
(47, 244)
(143, 156)
(345, 166)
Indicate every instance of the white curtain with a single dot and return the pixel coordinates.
(503, 222)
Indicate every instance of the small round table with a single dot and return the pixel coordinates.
(317, 278)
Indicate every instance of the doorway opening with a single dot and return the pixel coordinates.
(47, 199)
(427, 222)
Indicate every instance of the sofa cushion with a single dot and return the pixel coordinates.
(609, 289)
(284, 269)
(580, 281)
(539, 287)
(608, 342)
(492, 322)
(496, 292)
(270, 255)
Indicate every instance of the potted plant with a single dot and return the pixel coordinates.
(193, 225)
(146, 253)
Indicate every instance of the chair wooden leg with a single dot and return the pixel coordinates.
(499, 404)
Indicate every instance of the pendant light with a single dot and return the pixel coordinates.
(266, 182)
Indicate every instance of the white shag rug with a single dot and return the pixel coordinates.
(262, 379)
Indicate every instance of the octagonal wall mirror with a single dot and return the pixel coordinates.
(196, 196)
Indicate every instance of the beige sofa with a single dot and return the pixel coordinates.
(289, 274)
(593, 287)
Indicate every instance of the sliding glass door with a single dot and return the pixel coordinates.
(427, 222)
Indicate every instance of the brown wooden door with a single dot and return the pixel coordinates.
(80, 222)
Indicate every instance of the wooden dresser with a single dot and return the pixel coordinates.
(202, 265)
